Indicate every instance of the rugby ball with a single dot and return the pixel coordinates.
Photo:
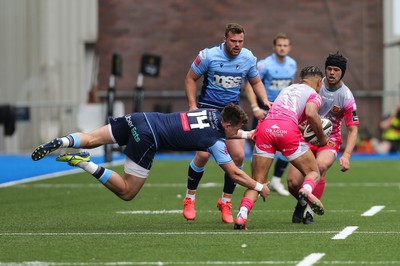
(309, 134)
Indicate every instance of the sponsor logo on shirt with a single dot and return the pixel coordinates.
(354, 115)
(331, 144)
(197, 61)
(226, 150)
(279, 84)
(227, 82)
(200, 56)
(185, 122)
(335, 109)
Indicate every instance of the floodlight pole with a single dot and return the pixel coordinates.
(110, 113)
(116, 70)
(138, 94)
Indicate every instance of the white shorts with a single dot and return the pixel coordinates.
(133, 168)
(303, 148)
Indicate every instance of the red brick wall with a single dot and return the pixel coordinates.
(178, 29)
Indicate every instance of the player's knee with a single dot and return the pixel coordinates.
(238, 158)
(201, 159)
(323, 168)
(294, 184)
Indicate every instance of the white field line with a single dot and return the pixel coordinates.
(23, 184)
(154, 212)
(311, 259)
(53, 175)
(373, 210)
(151, 212)
(345, 232)
(231, 232)
(160, 263)
(39, 178)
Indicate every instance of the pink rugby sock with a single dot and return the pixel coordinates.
(248, 203)
(319, 188)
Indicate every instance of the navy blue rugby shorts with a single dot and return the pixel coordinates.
(133, 131)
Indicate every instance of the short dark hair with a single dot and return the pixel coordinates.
(234, 114)
(233, 28)
(337, 60)
(280, 35)
(310, 71)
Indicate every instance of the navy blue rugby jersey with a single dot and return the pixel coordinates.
(197, 130)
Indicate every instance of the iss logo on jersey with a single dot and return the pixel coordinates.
(226, 80)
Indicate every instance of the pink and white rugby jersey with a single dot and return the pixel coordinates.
(291, 103)
(336, 105)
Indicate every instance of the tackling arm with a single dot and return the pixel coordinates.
(240, 177)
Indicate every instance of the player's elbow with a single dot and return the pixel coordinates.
(311, 115)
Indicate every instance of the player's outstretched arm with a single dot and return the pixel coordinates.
(240, 177)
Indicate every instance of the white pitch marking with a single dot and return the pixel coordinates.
(25, 183)
(373, 210)
(157, 233)
(116, 263)
(311, 259)
(159, 263)
(345, 232)
(150, 212)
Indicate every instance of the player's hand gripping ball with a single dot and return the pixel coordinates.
(310, 136)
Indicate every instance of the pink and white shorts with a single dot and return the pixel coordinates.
(279, 135)
(332, 146)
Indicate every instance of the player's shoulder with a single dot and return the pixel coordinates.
(269, 59)
(211, 50)
(246, 53)
(290, 59)
(266, 62)
(345, 92)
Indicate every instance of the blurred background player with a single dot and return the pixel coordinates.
(277, 71)
(225, 68)
(279, 131)
(338, 104)
(390, 127)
